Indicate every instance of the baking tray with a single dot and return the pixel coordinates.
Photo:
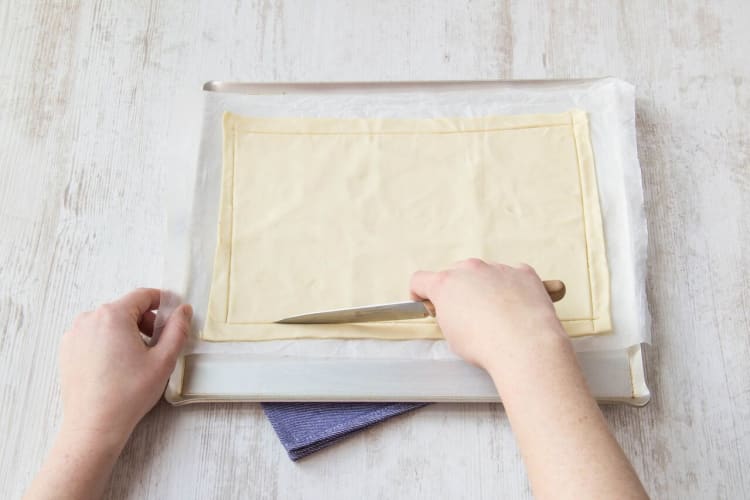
(614, 375)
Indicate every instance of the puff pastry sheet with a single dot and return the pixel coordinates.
(325, 213)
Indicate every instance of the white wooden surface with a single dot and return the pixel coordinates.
(84, 88)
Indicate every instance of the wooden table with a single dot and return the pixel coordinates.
(83, 99)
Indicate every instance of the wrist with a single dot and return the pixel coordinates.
(93, 439)
(79, 463)
(532, 362)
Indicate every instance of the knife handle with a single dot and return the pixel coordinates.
(555, 290)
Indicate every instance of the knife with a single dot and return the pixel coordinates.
(394, 311)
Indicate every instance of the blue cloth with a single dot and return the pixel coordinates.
(305, 428)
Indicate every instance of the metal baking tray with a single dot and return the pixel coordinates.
(614, 376)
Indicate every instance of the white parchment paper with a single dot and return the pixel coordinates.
(194, 165)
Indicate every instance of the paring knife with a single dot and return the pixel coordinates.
(393, 312)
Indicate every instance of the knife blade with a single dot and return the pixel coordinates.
(395, 311)
(379, 312)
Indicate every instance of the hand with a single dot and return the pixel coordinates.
(110, 378)
(490, 313)
(502, 319)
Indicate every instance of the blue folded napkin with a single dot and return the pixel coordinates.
(305, 428)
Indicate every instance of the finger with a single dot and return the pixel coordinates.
(527, 268)
(146, 324)
(422, 282)
(140, 300)
(499, 265)
(472, 263)
(175, 333)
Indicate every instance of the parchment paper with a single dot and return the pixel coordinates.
(194, 193)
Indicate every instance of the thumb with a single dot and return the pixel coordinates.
(175, 333)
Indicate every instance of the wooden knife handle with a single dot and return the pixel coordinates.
(555, 289)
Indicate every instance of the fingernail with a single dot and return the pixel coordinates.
(187, 311)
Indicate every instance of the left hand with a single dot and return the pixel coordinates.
(110, 378)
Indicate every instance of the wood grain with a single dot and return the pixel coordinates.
(86, 88)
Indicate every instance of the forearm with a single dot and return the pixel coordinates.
(563, 437)
(77, 467)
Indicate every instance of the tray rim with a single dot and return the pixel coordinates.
(249, 87)
(639, 394)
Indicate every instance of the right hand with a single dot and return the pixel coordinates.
(492, 315)
(502, 319)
